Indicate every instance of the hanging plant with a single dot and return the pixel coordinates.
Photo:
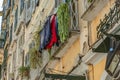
(36, 39)
(35, 58)
(23, 70)
(63, 21)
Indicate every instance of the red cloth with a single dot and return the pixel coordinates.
(53, 33)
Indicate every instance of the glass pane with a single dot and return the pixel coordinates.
(113, 64)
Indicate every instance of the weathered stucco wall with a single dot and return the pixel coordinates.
(95, 71)
(69, 59)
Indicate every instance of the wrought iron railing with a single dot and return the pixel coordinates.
(110, 20)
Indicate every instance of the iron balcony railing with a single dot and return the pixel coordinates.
(110, 20)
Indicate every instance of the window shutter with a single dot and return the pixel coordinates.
(37, 2)
(28, 10)
(11, 34)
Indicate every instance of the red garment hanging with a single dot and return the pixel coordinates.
(53, 33)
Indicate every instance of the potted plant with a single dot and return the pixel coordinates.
(24, 71)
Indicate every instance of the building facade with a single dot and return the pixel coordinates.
(86, 31)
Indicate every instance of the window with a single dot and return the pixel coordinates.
(3, 34)
(16, 19)
(28, 4)
(33, 5)
(21, 41)
(14, 61)
(57, 2)
(113, 59)
(27, 60)
(37, 2)
(21, 6)
(3, 15)
(9, 3)
(74, 15)
(8, 21)
(11, 34)
(108, 78)
(5, 55)
(12, 4)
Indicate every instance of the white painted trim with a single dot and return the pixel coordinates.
(93, 58)
(104, 75)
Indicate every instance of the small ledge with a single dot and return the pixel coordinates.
(94, 9)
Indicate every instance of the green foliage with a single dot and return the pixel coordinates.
(36, 38)
(23, 70)
(63, 21)
(35, 58)
(90, 1)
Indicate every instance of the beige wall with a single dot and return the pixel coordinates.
(69, 59)
(95, 71)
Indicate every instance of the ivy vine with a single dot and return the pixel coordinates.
(63, 21)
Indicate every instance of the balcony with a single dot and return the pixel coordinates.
(109, 27)
(92, 11)
(110, 20)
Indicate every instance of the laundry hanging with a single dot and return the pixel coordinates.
(45, 34)
(53, 28)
